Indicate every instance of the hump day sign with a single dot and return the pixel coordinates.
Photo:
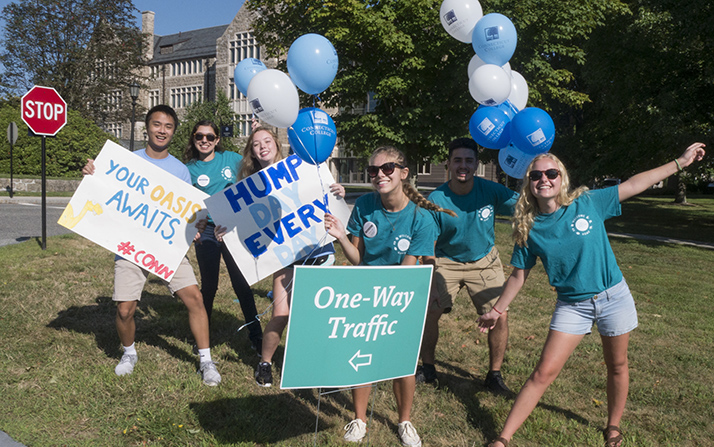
(136, 210)
(276, 216)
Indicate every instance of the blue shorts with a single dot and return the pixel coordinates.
(612, 310)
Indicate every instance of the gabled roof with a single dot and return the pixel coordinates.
(195, 44)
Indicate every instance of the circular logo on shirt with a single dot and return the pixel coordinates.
(581, 225)
(402, 243)
(203, 180)
(485, 213)
(227, 173)
(370, 229)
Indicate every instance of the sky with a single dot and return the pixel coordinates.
(173, 16)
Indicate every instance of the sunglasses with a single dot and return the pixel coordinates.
(200, 136)
(387, 168)
(552, 174)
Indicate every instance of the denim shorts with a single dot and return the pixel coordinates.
(612, 310)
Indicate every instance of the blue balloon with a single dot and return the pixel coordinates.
(244, 72)
(514, 161)
(312, 63)
(532, 131)
(313, 135)
(494, 39)
(490, 127)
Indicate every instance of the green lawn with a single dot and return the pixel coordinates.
(58, 349)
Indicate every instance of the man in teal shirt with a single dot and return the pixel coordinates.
(466, 255)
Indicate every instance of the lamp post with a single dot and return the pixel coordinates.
(134, 93)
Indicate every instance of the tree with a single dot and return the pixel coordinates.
(66, 154)
(218, 111)
(397, 53)
(651, 79)
(88, 50)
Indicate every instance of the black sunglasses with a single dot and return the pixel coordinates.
(387, 168)
(199, 136)
(552, 174)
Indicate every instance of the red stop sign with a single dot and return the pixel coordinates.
(44, 111)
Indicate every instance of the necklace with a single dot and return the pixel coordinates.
(384, 211)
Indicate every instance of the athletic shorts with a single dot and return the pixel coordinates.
(129, 279)
(483, 280)
(612, 310)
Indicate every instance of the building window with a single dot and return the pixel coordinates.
(153, 98)
(481, 170)
(114, 129)
(243, 125)
(243, 47)
(184, 68)
(182, 97)
(424, 167)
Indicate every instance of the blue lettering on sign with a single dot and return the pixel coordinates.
(140, 213)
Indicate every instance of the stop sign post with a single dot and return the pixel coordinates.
(45, 113)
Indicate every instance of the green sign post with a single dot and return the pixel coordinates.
(354, 325)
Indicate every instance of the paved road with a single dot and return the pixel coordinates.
(21, 218)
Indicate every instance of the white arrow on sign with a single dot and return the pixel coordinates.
(358, 356)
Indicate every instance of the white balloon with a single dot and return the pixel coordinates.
(459, 17)
(274, 98)
(490, 85)
(474, 63)
(514, 161)
(519, 91)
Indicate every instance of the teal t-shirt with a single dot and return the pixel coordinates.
(215, 175)
(387, 236)
(470, 236)
(572, 243)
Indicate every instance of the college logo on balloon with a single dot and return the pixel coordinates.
(244, 72)
(312, 63)
(458, 17)
(494, 39)
(514, 161)
(274, 98)
(533, 131)
(313, 135)
(490, 127)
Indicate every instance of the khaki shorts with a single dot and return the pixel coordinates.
(129, 279)
(483, 279)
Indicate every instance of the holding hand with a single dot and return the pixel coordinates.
(334, 227)
(88, 169)
(338, 190)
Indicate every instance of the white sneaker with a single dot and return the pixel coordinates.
(408, 434)
(356, 430)
(209, 373)
(126, 365)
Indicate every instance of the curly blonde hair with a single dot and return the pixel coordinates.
(526, 208)
(411, 192)
(250, 165)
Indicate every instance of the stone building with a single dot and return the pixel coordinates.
(194, 65)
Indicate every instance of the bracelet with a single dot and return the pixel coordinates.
(679, 167)
(497, 311)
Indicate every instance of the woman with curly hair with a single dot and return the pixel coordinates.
(565, 229)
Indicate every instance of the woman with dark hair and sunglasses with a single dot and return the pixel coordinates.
(565, 229)
(388, 227)
(212, 170)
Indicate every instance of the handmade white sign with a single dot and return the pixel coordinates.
(136, 210)
(275, 216)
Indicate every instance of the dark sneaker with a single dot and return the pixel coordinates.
(494, 382)
(264, 374)
(425, 373)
